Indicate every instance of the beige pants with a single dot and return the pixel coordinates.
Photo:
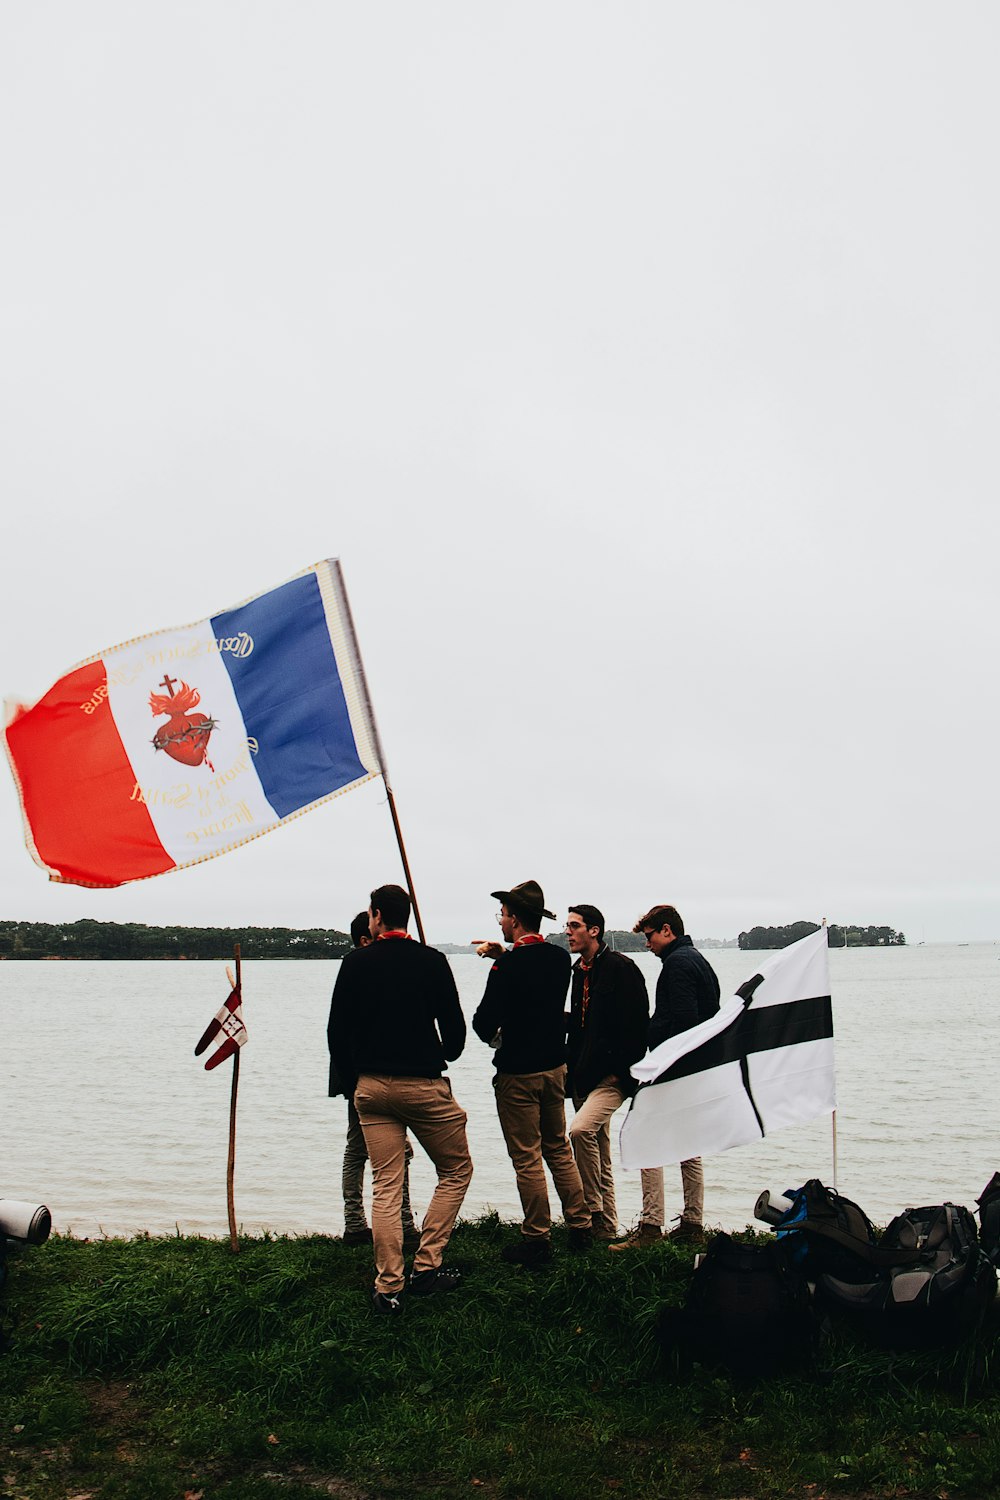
(692, 1186)
(590, 1137)
(387, 1108)
(532, 1112)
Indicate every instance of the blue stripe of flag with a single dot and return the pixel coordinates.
(290, 694)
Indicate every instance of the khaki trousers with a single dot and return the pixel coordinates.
(692, 1186)
(387, 1108)
(590, 1137)
(532, 1112)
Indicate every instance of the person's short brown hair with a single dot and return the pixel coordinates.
(393, 905)
(661, 916)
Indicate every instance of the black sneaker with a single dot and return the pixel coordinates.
(580, 1240)
(387, 1306)
(439, 1279)
(529, 1252)
(357, 1237)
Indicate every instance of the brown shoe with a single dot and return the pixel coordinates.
(687, 1233)
(642, 1234)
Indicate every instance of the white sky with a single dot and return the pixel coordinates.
(638, 361)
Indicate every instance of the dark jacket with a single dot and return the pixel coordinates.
(687, 991)
(613, 1036)
(525, 1000)
(395, 1011)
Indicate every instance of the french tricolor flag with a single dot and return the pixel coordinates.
(181, 745)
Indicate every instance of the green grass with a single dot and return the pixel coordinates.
(147, 1368)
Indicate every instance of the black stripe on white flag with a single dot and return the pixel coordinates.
(764, 1061)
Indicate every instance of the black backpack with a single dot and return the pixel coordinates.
(748, 1310)
(829, 1235)
(989, 1218)
(939, 1283)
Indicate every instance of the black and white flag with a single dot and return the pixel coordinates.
(763, 1061)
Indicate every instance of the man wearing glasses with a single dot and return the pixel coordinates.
(608, 1021)
(687, 992)
(522, 1014)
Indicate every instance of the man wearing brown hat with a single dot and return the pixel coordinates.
(522, 1014)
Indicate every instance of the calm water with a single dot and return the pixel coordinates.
(108, 1117)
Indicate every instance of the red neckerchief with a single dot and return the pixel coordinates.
(585, 996)
(529, 937)
(397, 932)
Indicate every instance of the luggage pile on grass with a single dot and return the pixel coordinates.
(760, 1310)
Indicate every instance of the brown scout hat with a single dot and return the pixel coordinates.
(528, 895)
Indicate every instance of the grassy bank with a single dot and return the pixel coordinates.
(158, 1368)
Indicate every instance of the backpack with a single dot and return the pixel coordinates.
(989, 1218)
(748, 1310)
(829, 1235)
(941, 1290)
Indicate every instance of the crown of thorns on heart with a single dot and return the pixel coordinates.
(185, 735)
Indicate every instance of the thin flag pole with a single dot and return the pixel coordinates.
(833, 1123)
(360, 666)
(234, 1243)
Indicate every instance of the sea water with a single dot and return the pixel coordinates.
(108, 1118)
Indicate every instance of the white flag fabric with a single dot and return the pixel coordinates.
(763, 1061)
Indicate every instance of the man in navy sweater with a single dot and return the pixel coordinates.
(687, 992)
(395, 1021)
(524, 1003)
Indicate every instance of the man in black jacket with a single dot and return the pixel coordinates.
(687, 992)
(352, 1177)
(608, 1020)
(395, 1021)
(525, 1003)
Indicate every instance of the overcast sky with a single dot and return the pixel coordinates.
(638, 361)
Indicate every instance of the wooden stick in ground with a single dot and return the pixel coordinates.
(234, 1243)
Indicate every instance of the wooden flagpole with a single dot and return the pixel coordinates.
(234, 1243)
(362, 679)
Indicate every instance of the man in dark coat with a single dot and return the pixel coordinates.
(687, 992)
(395, 1021)
(608, 1020)
(523, 1015)
(356, 1230)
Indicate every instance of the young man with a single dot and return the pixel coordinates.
(608, 1020)
(687, 992)
(395, 1021)
(356, 1230)
(524, 1002)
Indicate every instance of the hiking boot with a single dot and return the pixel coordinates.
(530, 1253)
(604, 1231)
(686, 1233)
(411, 1238)
(580, 1240)
(386, 1305)
(438, 1279)
(357, 1237)
(641, 1235)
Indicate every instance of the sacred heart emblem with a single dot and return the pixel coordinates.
(185, 735)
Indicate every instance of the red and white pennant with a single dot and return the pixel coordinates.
(229, 1023)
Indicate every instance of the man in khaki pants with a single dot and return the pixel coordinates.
(687, 993)
(525, 1003)
(608, 1020)
(395, 1021)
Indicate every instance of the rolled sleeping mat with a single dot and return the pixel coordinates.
(22, 1220)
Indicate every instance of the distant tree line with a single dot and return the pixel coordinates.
(622, 942)
(840, 937)
(133, 940)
